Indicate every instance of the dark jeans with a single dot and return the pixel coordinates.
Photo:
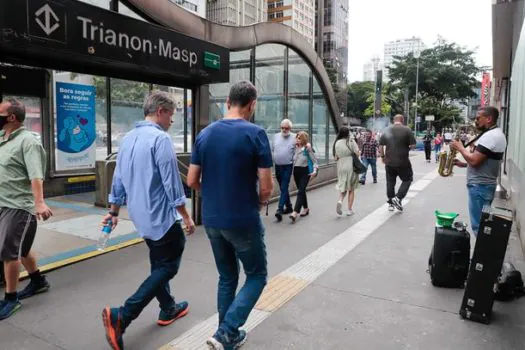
(228, 246)
(406, 175)
(372, 162)
(301, 177)
(428, 150)
(165, 256)
(283, 173)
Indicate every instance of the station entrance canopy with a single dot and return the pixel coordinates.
(70, 35)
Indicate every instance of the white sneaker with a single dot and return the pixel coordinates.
(339, 208)
(350, 212)
(391, 207)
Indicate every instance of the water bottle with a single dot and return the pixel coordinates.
(104, 237)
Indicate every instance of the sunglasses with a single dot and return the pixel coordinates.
(285, 128)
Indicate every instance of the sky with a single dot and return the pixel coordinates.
(374, 22)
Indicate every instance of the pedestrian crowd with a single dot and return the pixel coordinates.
(231, 167)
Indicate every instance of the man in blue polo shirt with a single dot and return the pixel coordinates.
(234, 158)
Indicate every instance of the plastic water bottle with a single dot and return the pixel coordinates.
(104, 237)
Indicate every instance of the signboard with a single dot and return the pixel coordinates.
(430, 118)
(71, 35)
(485, 90)
(76, 132)
(418, 119)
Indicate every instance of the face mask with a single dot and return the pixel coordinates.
(3, 121)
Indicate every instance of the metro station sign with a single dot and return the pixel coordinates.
(70, 35)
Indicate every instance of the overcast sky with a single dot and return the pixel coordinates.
(374, 22)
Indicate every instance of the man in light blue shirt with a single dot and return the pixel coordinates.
(147, 179)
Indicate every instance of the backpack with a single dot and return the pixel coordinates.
(509, 285)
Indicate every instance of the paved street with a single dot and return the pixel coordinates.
(360, 283)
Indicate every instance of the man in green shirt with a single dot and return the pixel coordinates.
(22, 168)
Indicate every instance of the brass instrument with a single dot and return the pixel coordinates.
(446, 160)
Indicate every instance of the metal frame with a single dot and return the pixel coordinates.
(242, 38)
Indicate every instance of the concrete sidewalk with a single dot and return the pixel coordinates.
(336, 283)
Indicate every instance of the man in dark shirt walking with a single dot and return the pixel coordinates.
(235, 160)
(396, 142)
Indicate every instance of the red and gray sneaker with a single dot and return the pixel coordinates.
(113, 326)
(168, 317)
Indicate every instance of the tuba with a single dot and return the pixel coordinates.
(446, 159)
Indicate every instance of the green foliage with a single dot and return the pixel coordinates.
(447, 74)
(358, 95)
(370, 111)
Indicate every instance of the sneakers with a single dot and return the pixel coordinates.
(34, 287)
(397, 203)
(350, 212)
(220, 341)
(339, 208)
(168, 317)
(113, 326)
(8, 308)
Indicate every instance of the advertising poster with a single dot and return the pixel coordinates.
(75, 121)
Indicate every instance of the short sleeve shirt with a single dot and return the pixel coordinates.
(229, 153)
(492, 144)
(397, 139)
(22, 159)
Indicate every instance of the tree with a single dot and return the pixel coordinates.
(358, 95)
(385, 107)
(447, 74)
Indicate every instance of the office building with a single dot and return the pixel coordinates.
(331, 36)
(370, 69)
(196, 6)
(300, 15)
(237, 12)
(508, 36)
(400, 47)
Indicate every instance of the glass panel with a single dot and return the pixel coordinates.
(319, 130)
(298, 92)
(239, 70)
(269, 80)
(127, 99)
(100, 106)
(33, 107)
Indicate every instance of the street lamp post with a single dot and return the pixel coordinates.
(417, 54)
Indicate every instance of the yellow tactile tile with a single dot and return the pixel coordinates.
(278, 291)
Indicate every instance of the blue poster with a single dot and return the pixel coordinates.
(76, 129)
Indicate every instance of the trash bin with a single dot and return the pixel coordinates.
(104, 177)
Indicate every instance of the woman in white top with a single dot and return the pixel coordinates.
(347, 179)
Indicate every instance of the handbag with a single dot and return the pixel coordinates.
(310, 162)
(359, 167)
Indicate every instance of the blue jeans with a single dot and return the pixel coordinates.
(437, 149)
(478, 196)
(164, 256)
(372, 162)
(229, 246)
(283, 173)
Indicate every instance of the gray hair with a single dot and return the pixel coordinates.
(286, 122)
(242, 93)
(158, 99)
(16, 108)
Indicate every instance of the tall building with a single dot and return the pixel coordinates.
(236, 12)
(400, 47)
(370, 69)
(331, 36)
(196, 6)
(300, 15)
